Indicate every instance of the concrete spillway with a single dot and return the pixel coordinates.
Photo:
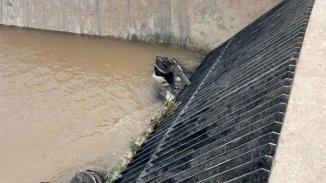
(228, 125)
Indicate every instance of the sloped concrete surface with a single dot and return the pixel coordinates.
(228, 125)
(301, 154)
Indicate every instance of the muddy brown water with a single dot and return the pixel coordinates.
(72, 102)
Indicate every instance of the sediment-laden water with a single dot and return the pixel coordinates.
(71, 102)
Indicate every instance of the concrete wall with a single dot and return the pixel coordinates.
(200, 24)
(301, 153)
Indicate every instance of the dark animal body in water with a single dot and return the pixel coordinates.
(169, 77)
(87, 176)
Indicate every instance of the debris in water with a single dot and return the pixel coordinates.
(168, 108)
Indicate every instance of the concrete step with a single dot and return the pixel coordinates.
(228, 124)
(221, 163)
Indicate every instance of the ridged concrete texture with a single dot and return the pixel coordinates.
(228, 125)
(201, 24)
(301, 154)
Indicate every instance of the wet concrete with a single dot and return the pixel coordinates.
(72, 102)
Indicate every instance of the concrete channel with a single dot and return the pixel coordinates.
(239, 113)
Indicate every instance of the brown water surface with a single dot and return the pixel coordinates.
(69, 102)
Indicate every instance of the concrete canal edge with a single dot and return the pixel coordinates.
(197, 24)
(255, 109)
(302, 146)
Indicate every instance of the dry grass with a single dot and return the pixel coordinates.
(166, 110)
